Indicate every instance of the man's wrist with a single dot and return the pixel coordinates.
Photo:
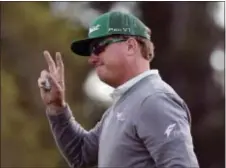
(54, 109)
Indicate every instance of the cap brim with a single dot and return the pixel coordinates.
(82, 47)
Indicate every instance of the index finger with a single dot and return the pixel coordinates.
(50, 62)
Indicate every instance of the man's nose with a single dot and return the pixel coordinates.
(93, 59)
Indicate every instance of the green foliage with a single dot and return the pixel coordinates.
(20, 141)
(28, 28)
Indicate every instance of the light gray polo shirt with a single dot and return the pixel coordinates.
(148, 126)
(119, 91)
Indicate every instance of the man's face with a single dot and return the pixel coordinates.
(109, 59)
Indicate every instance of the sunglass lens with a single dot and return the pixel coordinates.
(98, 49)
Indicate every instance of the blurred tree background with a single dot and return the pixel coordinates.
(189, 46)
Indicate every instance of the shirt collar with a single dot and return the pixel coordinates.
(119, 91)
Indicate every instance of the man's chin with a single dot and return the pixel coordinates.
(103, 78)
(102, 74)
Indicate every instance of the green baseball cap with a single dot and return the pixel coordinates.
(109, 24)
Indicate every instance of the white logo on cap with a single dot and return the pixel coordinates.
(119, 29)
(94, 28)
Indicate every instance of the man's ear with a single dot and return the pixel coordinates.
(132, 46)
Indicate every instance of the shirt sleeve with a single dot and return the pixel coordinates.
(163, 125)
(78, 146)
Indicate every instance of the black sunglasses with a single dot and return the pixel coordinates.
(99, 47)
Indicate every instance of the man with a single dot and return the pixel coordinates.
(148, 124)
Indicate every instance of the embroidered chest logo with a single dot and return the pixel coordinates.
(120, 116)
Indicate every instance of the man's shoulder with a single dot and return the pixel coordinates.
(151, 89)
(160, 96)
(155, 87)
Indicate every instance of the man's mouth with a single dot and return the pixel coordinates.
(98, 65)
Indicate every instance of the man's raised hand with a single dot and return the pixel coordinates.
(51, 83)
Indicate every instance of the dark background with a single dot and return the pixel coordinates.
(185, 35)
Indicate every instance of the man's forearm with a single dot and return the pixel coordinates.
(68, 134)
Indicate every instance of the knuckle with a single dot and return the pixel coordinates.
(43, 73)
(39, 81)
